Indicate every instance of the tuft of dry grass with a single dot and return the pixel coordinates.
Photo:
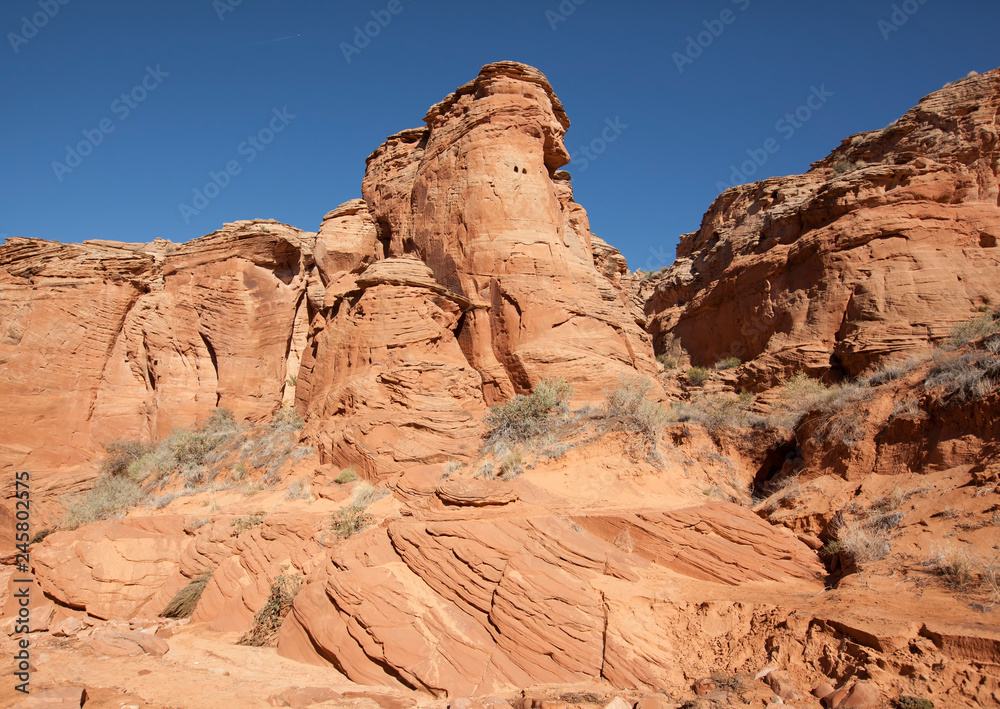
(964, 376)
(183, 604)
(957, 566)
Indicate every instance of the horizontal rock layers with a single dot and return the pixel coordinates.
(875, 252)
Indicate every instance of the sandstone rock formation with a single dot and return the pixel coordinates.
(874, 253)
(469, 277)
(466, 274)
(104, 340)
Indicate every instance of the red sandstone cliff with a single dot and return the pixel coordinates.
(874, 253)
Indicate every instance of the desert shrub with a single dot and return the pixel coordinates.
(802, 390)
(511, 465)
(221, 420)
(964, 376)
(158, 502)
(728, 363)
(192, 447)
(183, 604)
(267, 622)
(524, 417)
(287, 419)
(956, 566)
(487, 471)
(667, 361)
(350, 520)
(842, 166)
(883, 374)
(365, 493)
(868, 537)
(40, 535)
(837, 406)
(905, 407)
(861, 543)
(908, 702)
(112, 496)
(698, 375)
(347, 475)
(718, 411)
(245, 522)
(983, 325)
(630, 410)
(893, 500)
(297, 490)
(121, 455)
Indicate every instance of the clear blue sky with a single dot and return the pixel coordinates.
(607, 60)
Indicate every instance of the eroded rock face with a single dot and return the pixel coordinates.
(472, 606)
(472, 277)
(104, 340)
(876, 252)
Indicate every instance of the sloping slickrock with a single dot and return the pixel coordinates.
(241, 583)
(111, 569)
(718, 542)
(875, 252)
(467, 607)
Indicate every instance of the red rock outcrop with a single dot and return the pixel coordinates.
(103, 340)
(874, 253)
(476, 605)
(469, 277)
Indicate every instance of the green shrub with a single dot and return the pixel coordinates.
(183, 604)
(631, 410)
(347, 475)
(267, 622)
(984, 325)
(121, 455)
(728, 363)
(698, 375)
(112, 496)
(907, 702)
(523, 417)
(242, 524)
(667, 361)
(350, 520)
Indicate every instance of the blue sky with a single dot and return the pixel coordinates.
(200, 78)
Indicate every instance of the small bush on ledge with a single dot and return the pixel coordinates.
(524, 417)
